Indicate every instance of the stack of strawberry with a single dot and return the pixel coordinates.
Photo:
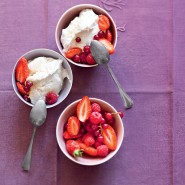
(104, 36)
(21, 74)
(90, 131)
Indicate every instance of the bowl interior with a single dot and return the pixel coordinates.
(47, 53)
(70, 15)
(69, 111)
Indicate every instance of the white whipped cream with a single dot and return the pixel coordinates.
(46, 74)
(85, 26)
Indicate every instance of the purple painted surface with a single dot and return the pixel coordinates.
(149, 63)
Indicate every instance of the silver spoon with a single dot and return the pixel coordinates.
(37, 118)
(101, 56)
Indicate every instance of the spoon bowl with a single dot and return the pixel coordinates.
(102, 57)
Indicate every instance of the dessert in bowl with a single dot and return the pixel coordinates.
(90, 131)
(78, 26)
(42, 74)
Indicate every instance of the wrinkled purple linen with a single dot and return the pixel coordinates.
(149, 63)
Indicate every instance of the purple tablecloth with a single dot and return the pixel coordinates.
(149, 63)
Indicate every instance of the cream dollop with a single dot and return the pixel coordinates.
(46, 74)
(84, 26)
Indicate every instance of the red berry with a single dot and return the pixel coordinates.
(102, 150)
(88, 139)
(28, 84)
(108, 116)
(103, 121)
(97, 133)
(100, 138)
(105, 126)
(96, 37)
(95, 107)
(90, 60)
(111, 121)
(73, 148)
(87, 49)
(51, 98)
(95, 117)
(78, 39)
(94, 127)
(83, 58)
(101, 34)
(88, 127)
(27, 88)
(26, 98)
(65, 126)
(82, 130)
(97, 144)
(76, 58)
(121, 114)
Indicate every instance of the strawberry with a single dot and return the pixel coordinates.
(84, 109)
(73, 148)
(72, 52)
(109, 137)
(108, 35)
(88, 139)
(102, 150)
(109, 46)
(73, 126)
(103, 22)
(20, 88)
(88, 149)
(66, 135)
(22, 70)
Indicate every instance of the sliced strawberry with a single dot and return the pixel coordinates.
(73, 126)
(22, 70)
(84, 109)
(66, 135)
(73, 148)
(108, 36)
(109, 137)
(103, 22)
(20, 88)
(108, 45)
(88, 149)
(72, 52)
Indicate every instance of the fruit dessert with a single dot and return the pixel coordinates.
(90, 131)
(76, 38)
(40, 78)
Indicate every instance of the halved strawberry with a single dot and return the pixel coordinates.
(88, 149)
(20, 88)
(103, 22)
(22, 70)
(108, 45)
(73, 126)
(108, 35)
(84, 109)
(109, 137)
(66, 135)
(72, 52)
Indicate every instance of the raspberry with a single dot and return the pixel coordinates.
(97, 144)
(95, 107)
(88, 139)
(90, 60)
(51, 98)
(102, 150)
(95, 117)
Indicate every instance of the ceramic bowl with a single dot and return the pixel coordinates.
(46, 53)
(89, 161)
(73, 12)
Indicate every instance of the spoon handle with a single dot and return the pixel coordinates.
(27, 159)
(128, 102)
